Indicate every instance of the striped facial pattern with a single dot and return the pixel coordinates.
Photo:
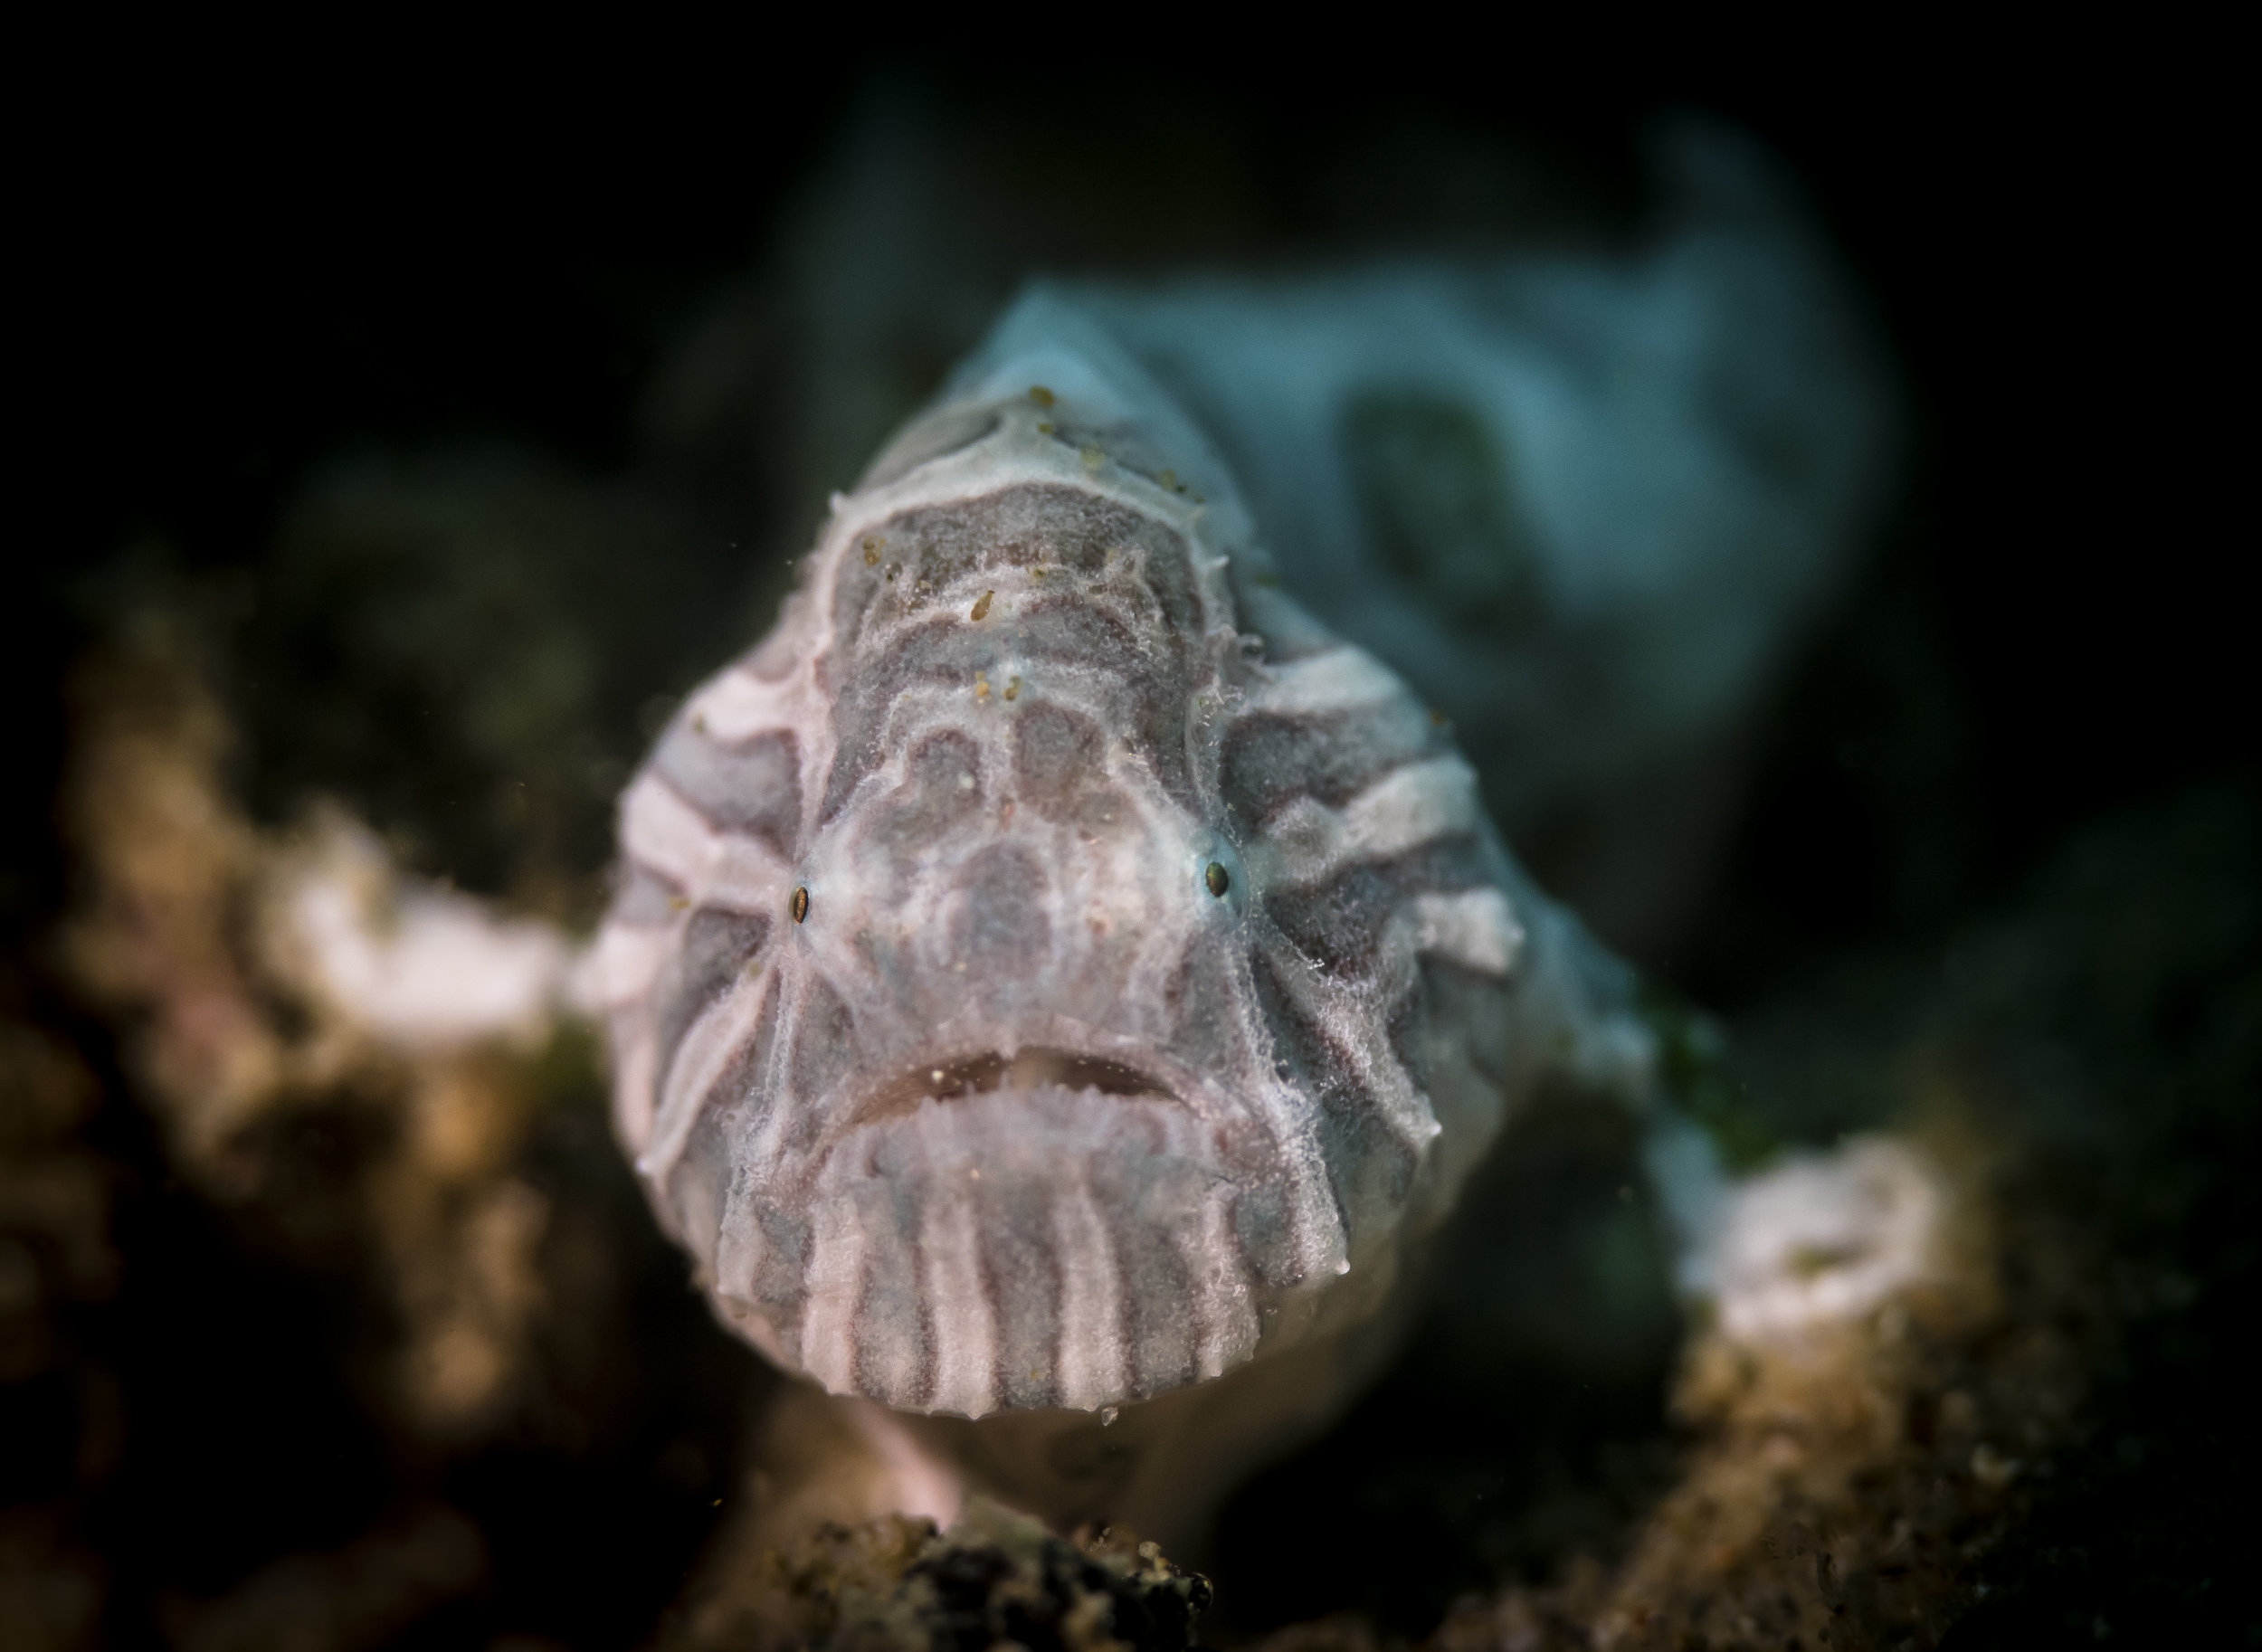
(1027, 989)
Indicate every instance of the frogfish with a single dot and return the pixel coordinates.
(1062, 978)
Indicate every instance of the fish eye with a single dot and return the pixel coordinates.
(1217, 879)
(799, 905)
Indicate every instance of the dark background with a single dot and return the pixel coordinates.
(231, 274)
(227, 274)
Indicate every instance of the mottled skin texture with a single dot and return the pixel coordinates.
(1051, 975)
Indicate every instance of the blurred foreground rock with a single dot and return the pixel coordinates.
(205, 936)
(397, 1337)
(58, 1262)
(1843, 1475)
(995, 1578)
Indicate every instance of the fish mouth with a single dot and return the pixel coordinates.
(1030, 1068)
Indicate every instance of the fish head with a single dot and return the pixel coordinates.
(1029, 992)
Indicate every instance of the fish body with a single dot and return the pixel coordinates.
(1057, 1008)
(1058, 984)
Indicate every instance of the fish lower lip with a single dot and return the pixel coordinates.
(1035, 1068)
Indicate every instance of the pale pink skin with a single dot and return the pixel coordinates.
(1157, 982)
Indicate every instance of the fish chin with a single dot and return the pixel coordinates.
(1025, 1248)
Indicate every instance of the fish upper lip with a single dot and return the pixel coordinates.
(1032, 1067)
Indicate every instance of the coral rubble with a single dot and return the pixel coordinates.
(896, 1585)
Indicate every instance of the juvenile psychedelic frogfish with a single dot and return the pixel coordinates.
(1061, 980)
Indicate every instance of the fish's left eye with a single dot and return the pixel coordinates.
(1217, 879)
